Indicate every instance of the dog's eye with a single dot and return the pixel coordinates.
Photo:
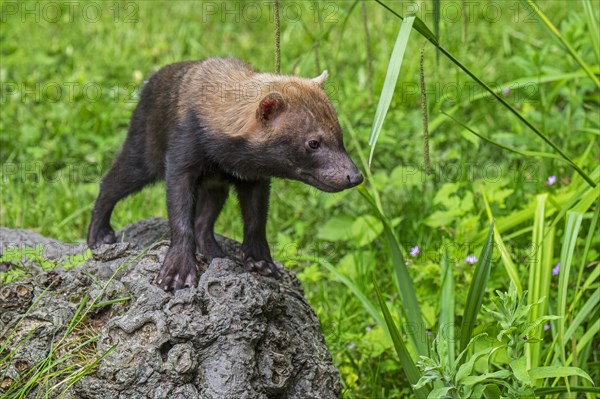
(314, 144)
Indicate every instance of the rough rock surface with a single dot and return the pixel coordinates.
(238, 335)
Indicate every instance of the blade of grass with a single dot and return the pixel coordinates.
(408, 365)
(592, 23)
(427, 34)
(389, 84)
(585, 312)
(446, 327)
(368, 305)
(539, 276)
(476, 290)
(578, 289)
(511, 268)
(566, 257)
(540, 14)
(406, 289)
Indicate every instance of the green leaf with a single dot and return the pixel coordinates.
(365, 229)
(337, 228)
(446, 320)
(566, 258)
(389, 84)
(477, 290)
(439, 393)
(539, 274)
(476, 379)
(519, 369)
(541, 392)
(558, 372)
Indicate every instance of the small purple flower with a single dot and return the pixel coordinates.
(551, 180)
(428, 331)
(414, 251)
(506, 91)
(471, 259)
(368, 329)
(351, 345)
(546, 327)
(556, 269)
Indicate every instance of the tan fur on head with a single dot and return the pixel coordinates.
(228, 93)
(321, 78)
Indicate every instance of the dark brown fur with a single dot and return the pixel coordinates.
(205, 125)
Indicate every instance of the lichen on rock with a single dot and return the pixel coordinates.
(237, 335)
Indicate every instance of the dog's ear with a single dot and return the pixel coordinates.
(321, 78)
(270, 107)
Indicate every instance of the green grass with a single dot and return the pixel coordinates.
(488, 163)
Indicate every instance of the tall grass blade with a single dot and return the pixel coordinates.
(408, 365)
(584, 313)
(426, 33)
(389, 84)
(511, 268)
(540, 14)
(477, 290)
(593, 27)
(539, 276)
(446, 324)
(406, 288)
(588, 243)
(362, 297)
(566, 258)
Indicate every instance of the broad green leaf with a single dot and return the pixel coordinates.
(476, 379)
(365, 229)
(477, 290)
(467, 368)
(558, 372)
(519, 368)
(337, 228)
(390, 82)
(439, 393)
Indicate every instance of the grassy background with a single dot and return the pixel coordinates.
(70, 82)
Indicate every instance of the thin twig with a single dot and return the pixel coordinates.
(277, 38)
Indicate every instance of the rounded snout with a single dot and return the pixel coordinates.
(355, 179)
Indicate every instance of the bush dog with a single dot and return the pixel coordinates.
(205, 125)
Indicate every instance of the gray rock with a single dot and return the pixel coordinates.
(237, 335)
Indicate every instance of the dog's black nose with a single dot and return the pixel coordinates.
(355, 179)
